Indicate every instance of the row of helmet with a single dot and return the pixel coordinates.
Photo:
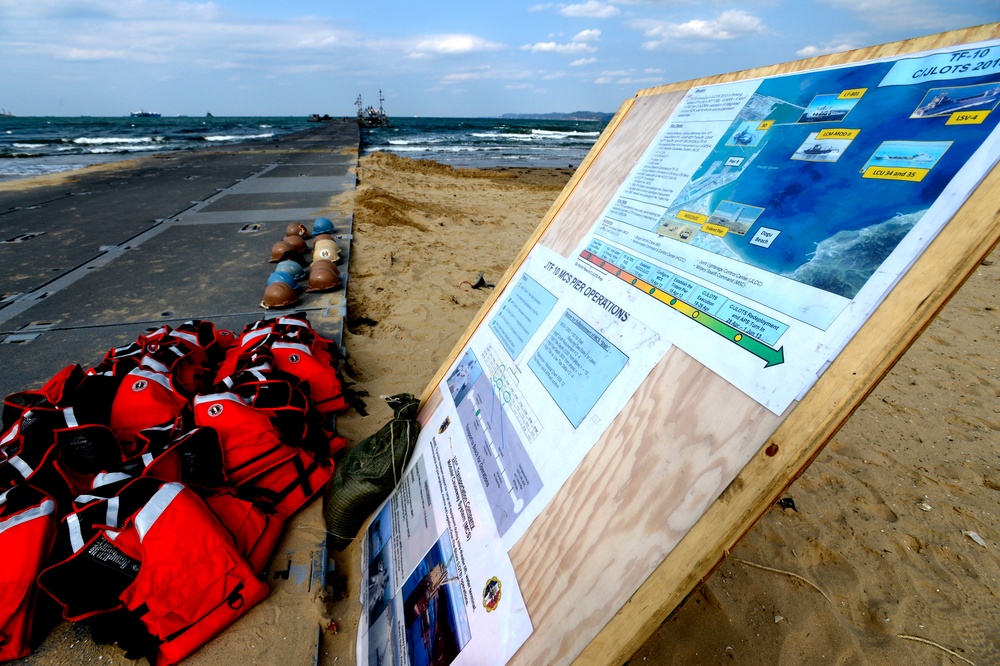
(294, 267)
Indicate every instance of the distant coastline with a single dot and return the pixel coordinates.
(575, 115)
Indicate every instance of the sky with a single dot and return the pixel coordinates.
(445, 58)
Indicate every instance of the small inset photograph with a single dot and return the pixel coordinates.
(382, 640)
(380, 584)
(736, 217)
(827, 109)
(464, 376)
(380, 531)
(946, 101)
(908, 154)
(821, 150)
(681, 231)
(746, 134)
(437, 627)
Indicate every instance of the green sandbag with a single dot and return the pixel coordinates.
(370, 471)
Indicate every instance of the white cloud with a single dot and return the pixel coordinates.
(451, 45)
(587, 36)
(583, 61)
(626, 80)
(572, 48)
(832, 47)
(590, 9)
(731, 24)
(910, 15)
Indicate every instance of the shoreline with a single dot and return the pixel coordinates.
(9, 183)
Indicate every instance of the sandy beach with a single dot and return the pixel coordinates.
(890, 553)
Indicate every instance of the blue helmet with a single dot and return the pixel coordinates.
(291, 267)
(280, 276)
(322, 225)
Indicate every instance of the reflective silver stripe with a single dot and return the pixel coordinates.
(45, 508)
(177, 352)
(3, 497)
(288, 321)
(259, 375)
(162, 380)
(155, 507)
(70, 417)
(231, 397)
(253, 335)
(112, 535)
(184, 335)
(11, 434)
(75, 537)
(111, 517)
(105, 478)
(228, 381)
(152, 363)
(22, 467)
(147, 459)
(292, 345)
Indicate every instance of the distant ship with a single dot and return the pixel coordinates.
(6, 114)
(817, 150)
(824, 112)
(943, 103)
(917, 157)
(145, 114)
(372, 117)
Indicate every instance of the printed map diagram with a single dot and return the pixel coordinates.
(818, 177)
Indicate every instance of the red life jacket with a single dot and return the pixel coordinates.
(144, 400)
(256, 533)
(171, 564)
(279, 477)
(325, 391)
(290, 485)
(250, 442)
(27, 531)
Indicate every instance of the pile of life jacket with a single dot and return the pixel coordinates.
(145, 495)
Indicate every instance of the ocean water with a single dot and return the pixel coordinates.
(31, 146)
(486, 142)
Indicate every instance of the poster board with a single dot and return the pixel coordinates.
(688, 453)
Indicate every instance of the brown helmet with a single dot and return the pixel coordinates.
(280, 251)
(322, 263)
(323, 278)
(278, 295)
(297, 229)
(297, 243)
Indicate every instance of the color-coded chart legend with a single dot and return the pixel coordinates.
(751, 330)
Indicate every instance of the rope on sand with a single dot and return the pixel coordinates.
(940, 647)
(787, 573)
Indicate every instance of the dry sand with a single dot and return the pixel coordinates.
(879, 551)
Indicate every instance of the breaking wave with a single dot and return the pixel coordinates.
(843, 262)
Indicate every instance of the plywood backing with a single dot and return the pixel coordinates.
(691, 463)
